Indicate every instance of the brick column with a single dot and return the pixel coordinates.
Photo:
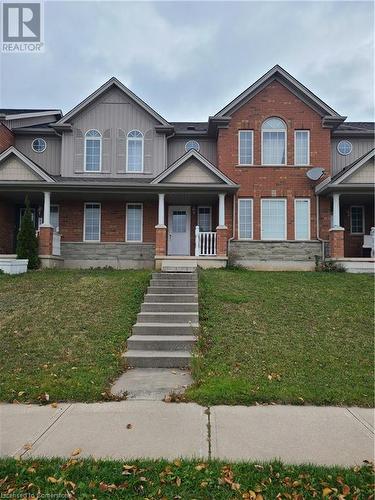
(336, 242)
(161, 240)
(45, 240)
(222, 241)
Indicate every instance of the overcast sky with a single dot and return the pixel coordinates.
(188, 59)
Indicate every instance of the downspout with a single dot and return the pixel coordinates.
(318, 227)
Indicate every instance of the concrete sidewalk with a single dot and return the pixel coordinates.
(134, 429)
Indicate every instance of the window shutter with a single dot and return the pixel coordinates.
(79, 148)
(148, 146)
(120, 150)
(107, 150)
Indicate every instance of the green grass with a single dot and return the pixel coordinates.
(62, 332)
(181, 480)
(288, 337)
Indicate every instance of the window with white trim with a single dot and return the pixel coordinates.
(93, 151)
(274, 142)
(54, 217)
(302, 218)
(39, 145)
(301, 147)
(245, 219)
(245, 147)
(357, 219)
(273, 219)
(192, 144)
(134, 222)
(204, 219)
(134, 162)
(92, 222)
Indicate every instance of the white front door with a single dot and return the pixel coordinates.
(179, 230)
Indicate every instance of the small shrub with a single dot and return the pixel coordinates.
(27, 241)
(329, 266)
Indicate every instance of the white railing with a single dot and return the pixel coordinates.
(205, 243)
(56, 243)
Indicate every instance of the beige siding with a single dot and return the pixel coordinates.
(50, 159)
(113, 115)
(360, 147)
(364, 175)
(192, 172)
(13, 169)
(176, 148)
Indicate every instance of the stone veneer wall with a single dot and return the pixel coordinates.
(116, 255)
(241, 252)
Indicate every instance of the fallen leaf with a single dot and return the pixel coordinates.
(129, 426)
(75, 452)
(177, 462)
(31, 470)
(326, 492)
(27, 446)
(345, 490)
(52, 480)
(54, 405)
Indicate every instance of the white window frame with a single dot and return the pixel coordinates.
(210, 208)
(126, 222)
(39, 139)
(127, 151)
(84, 221)
(363, 219)
(285, 130)
(252, 219)
(308, 148)
(195, 149)
(296, 200)
(58, 212)
(100, 150)
(285, 215)
(252, 148)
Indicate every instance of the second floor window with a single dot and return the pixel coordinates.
(135, 152)
(274, 142)
(301, 147)
(93, 151)
(245, 147)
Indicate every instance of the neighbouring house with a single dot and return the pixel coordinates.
(272, 180)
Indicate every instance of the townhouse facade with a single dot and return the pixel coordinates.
(274, 180)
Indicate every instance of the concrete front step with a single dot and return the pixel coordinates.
(164, 328)
(167, 317)
(165, 268)
(174, 307)
(161, 342)
(178, 283)
(175, 276)
(157, 359)
(161, 298)
(172, 289)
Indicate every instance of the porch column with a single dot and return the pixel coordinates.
(46, 230)
(336, 233)
(161, 229)
(221, 230)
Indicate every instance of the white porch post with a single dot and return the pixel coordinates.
(161, 210)
(336, 210)
(221, 209)
(47, 209)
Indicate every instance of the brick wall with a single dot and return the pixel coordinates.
(285, 181)
(6, 138)
(112, 220)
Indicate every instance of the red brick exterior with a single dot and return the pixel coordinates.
(45, 240)
(161, 241)
(6, 138)
(280, 182)
(221, 242)
(336, 243)
(112, 220)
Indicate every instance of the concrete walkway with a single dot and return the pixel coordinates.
(134, 429)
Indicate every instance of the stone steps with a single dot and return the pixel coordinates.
(163, 335)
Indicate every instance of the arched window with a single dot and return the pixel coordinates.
(135, 152)
(273, 142)
(93, 151)
(192, 145)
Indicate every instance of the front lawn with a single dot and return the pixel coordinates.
(181, 479)
(288, 337)
(62, 332)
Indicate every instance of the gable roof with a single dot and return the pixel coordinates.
(29, 163)
(112, 82)
(203, 161)
(349, 170)
(286, 79)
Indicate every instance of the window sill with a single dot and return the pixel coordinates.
(85, 172)
(273, 166)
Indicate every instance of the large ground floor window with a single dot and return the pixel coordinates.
(273, 219)
(91, 224)
(134, 219)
